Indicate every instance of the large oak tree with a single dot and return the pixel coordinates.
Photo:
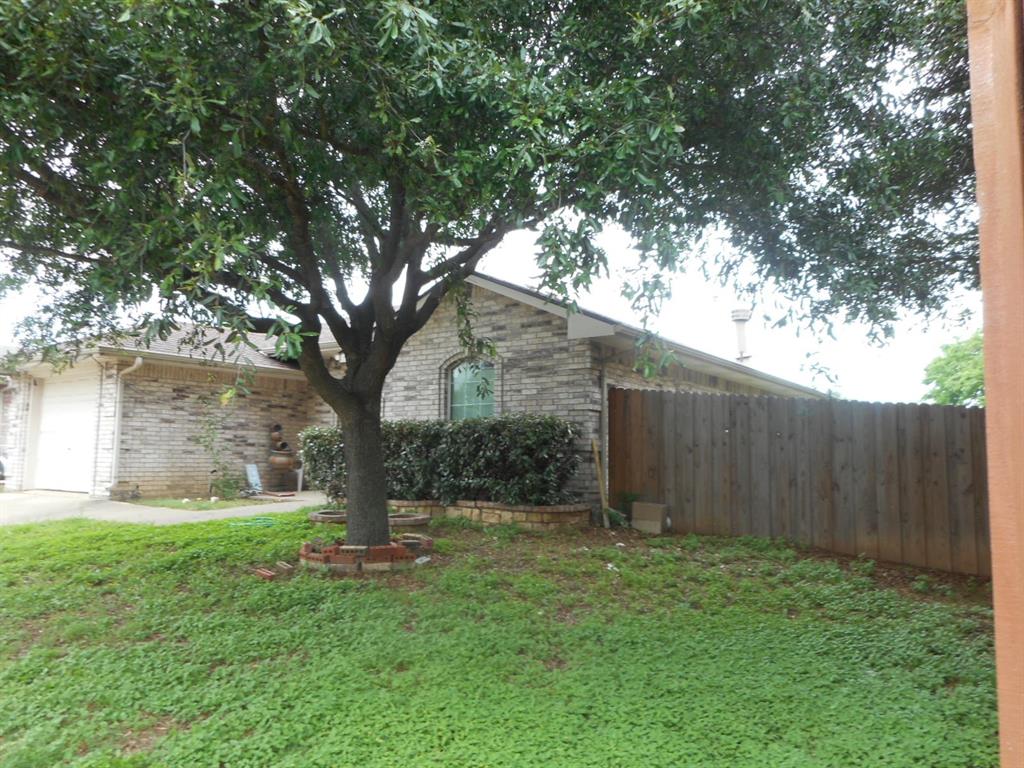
(258, 163)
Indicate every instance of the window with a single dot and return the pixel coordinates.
(472, 391)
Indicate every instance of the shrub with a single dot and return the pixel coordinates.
(324, 460)
(226, 486)
(411, 453)
(520, 459)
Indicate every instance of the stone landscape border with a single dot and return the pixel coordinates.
(403, 519)
(536, 518)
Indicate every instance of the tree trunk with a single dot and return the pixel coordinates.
(367, 487)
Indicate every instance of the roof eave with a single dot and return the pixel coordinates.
(197, 361)
(591, 325)
(728, 369)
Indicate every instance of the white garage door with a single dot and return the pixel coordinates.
(66, 433)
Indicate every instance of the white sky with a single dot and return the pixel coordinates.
(698, 315)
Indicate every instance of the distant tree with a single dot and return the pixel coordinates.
(957, 376)
(308, 167)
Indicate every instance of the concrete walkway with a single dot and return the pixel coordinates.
(39, 506)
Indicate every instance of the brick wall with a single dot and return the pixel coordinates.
(620, 373)
(538, 370)
(319, 414)
(162, 413)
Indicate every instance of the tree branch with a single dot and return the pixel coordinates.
(322, 133)
(300, 235)
(340, 289)
(369, 228)
(214, 299)
(275, 263)
(335, 392)
(470, 253)
(429, 301)
(43, 250)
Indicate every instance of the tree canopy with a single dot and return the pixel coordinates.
(303, 166)
(239, 148)
(957, 376)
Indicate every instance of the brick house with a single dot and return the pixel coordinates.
(125, 417)
(549, 361)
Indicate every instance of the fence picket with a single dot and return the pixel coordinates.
(979, 464)
(702, 522)
(912, 497)
(844, 534)
(936, 489)
(720, 477)
(865, 492)
(821, 474)
(760, 469)
(887, 484)
(778, 431)
(685, 463)
(963, 547)
(740, 465)
(803, 421)
(666, 457)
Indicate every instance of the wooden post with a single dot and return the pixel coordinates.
(995, 41)
(600, 483)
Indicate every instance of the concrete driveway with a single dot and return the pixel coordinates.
(38, 506)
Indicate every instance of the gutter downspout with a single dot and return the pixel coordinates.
(115, 460)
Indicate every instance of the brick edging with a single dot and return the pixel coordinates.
(532, 517)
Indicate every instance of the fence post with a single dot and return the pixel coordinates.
(995, 45)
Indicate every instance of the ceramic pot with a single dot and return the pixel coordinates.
(282, 459)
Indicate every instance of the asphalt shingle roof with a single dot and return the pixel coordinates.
(187, 345)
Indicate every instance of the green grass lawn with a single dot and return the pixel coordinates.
(127, 645)
(200, 504)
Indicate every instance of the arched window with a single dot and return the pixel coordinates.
(472, 390)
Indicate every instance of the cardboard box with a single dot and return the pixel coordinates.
(650, 518)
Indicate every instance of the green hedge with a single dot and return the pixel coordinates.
(323, 461)
(520, 459)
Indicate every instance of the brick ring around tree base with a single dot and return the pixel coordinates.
(338, 557)
(395, 519)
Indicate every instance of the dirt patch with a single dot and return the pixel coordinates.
(907, 579)
(555, 662)
(144, 739)
(406, 581)
(34, 630)
(566, 615)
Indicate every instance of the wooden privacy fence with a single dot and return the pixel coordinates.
(898, 483)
